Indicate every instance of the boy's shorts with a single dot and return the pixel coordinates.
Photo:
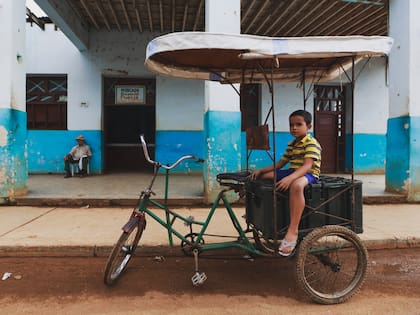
(283, 173)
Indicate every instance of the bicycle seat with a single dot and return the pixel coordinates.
(239, 177)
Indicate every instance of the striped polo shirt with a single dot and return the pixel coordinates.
(308, 147)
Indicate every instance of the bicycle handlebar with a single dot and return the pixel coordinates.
(167, 167)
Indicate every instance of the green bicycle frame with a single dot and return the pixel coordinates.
(170, 217)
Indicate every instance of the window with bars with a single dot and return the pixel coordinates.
(46, 102)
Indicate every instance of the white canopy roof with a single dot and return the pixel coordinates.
(233, 58)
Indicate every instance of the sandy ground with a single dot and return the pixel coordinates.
(235, 285)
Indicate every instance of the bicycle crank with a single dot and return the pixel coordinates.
(199, 277)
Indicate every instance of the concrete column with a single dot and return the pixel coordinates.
(222, 116)
(13, 148)
(403, 134)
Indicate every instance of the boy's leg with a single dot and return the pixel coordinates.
(268, 175)
(297, 205)
(280, 174)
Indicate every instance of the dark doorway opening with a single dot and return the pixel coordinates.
(129, 110)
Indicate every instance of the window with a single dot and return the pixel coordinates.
(250, 105)
(46, 102)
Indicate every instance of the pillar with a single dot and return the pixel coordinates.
(222, 116)
(13, 148)
(403, 135)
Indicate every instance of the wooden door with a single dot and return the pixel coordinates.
(329, 128)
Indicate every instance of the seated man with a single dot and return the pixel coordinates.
(80, 154)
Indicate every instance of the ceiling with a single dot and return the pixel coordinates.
(260, 17)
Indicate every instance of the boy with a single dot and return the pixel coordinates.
(304, 156)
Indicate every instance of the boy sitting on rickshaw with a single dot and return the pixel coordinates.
(304, 156)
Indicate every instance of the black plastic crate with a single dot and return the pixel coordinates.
(336, 192)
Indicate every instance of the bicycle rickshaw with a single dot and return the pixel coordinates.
(331, 260)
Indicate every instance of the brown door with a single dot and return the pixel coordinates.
(129, 110)
(329, 126)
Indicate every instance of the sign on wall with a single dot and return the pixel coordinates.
(129, 94)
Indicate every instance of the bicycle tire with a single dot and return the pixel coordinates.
(123, 252)
(331, 264)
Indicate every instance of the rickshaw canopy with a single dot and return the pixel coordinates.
(241, 58)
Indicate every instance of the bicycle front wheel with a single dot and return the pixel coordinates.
(331, 264)
(122, 252)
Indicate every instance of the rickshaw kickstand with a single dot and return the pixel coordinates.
(199, 277)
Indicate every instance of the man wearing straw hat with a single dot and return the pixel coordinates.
(79, 154)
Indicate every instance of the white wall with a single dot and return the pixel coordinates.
(12, 55)
(288, 97)
(120, 53)
(399, 61)
(50, 52)
(180, 104)
(414, 55)
(371, 98)
(404, 61)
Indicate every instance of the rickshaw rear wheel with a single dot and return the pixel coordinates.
(331, 264)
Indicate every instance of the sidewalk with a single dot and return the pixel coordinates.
(50, 231)
(84, 216)
(123, 189)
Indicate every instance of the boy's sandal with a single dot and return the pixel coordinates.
(285, 244)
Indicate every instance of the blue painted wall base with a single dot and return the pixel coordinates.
(171, 145)
(47, 148)
(13, 163)
(403, 151)
(222, 150)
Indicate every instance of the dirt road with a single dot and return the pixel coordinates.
(235, 285)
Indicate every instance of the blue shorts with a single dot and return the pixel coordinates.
(283, 173)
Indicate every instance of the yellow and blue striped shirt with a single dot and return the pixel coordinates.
(308, 147)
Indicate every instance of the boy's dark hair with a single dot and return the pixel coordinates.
(306, 115)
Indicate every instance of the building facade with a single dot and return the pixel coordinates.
(76, 86)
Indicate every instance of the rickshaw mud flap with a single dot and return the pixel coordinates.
(131, 224)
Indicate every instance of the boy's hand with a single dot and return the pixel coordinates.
(255, 174)
(284, 183)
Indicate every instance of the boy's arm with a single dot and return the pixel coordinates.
(285, 182)
(255, 174)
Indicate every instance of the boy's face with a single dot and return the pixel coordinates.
(298, 127)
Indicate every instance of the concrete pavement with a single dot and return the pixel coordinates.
(123, 189)
(85, 231)
(84, 216)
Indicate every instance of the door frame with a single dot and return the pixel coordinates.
(132, 147)
(333, 99)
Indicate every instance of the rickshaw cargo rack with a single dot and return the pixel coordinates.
(328, 202)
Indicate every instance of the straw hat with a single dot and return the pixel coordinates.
(80, 137)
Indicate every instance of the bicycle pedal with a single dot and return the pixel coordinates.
(198, 278)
